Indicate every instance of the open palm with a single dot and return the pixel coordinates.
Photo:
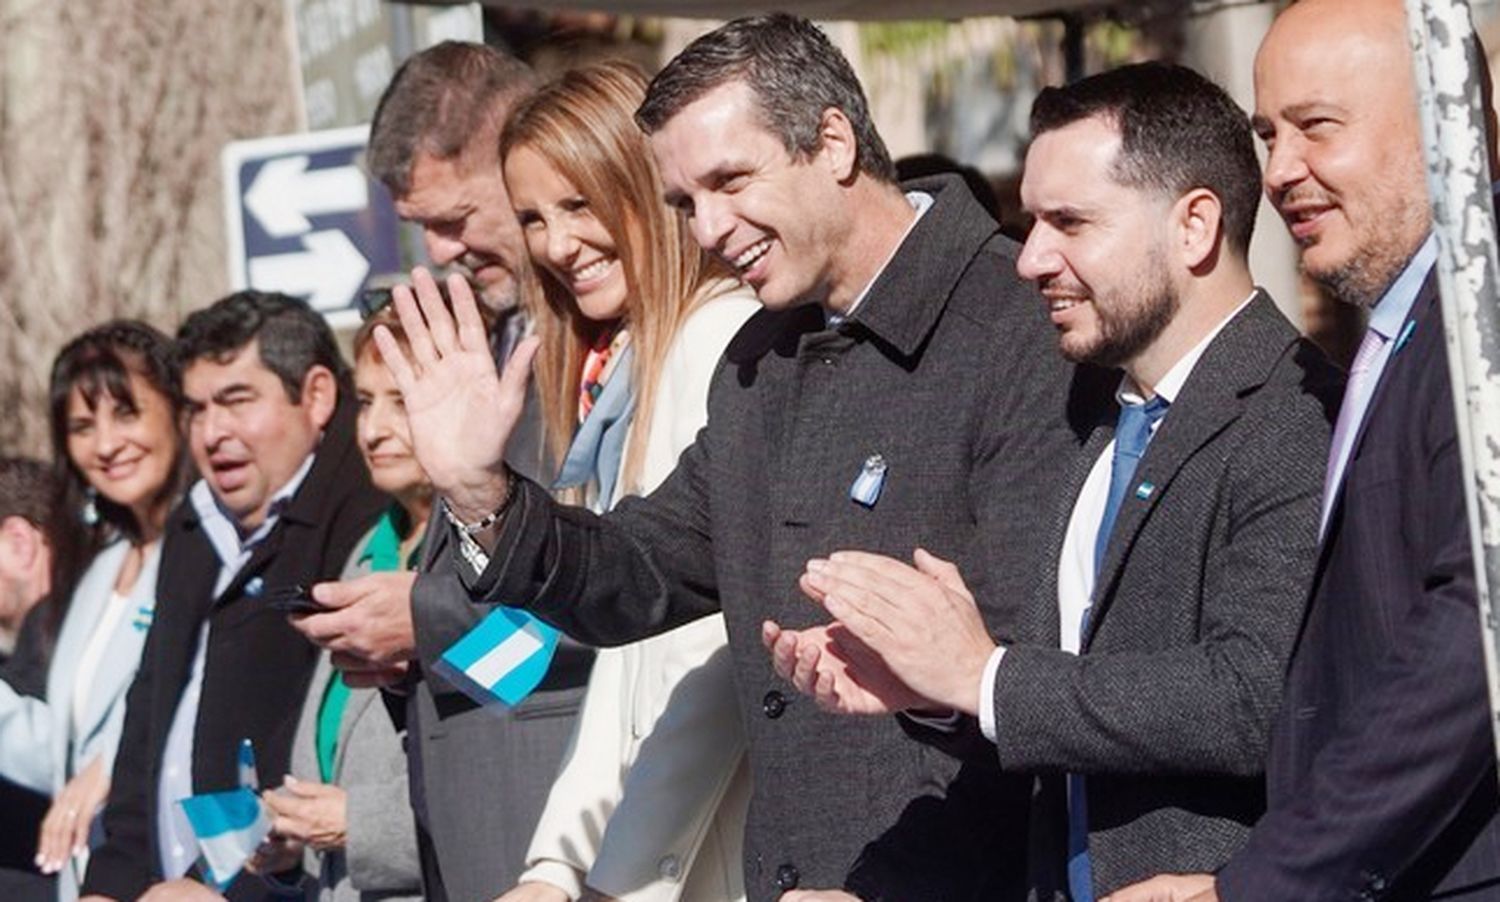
(462, 412)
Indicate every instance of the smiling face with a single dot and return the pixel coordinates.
(384, 433)
(776, 220)
(466, 220)
(246, 436)
(125, 448)
(1098, 249)
(1335, 105)
(564, 236)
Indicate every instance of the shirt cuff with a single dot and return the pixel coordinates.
(554, 873)
(987, 724)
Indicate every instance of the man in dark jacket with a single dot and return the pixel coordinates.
(282, 501)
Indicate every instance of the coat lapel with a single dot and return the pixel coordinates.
(86, 607)
(122, 654)
(1425, 309)
(1234, 365)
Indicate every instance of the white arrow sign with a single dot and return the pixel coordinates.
(327, 272)
(284, 194)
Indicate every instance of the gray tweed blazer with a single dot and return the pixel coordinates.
(1201, 593)
(948, 371)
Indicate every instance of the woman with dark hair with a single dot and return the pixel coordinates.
(633, 318)
(116, 445)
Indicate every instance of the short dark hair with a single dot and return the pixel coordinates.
(97, 363)
(440, 101)
(293, 339)
(1178, 131)
(793, 70)
(29, 489)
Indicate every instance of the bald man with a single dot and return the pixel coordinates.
(1381, 778)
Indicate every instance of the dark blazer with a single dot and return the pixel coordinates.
(1167, 712)
(479, 776)
(1382, 769)
(257, 667)
(948, 371)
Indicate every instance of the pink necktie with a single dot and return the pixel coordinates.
(1351, 413)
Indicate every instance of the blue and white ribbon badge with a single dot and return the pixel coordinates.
(869, 482)
(501, 660)
(1404, 337)
(229, 826)
(249, 779)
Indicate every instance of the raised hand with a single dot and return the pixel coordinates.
(920, 622)
(462, 412)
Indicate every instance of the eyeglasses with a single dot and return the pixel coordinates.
(373, 300)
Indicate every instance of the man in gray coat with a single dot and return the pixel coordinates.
(1181, 546)
(479, 778)
(897, 389)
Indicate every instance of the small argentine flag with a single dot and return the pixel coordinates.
(502, 659)
(229, 826)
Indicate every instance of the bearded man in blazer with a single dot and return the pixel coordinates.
(866, 404)
(283, 498)
(1382, 771)
(1143, 679)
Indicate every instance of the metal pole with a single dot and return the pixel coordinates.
(1445, 57)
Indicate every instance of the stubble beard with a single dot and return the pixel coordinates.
(1384, 249)
(1128, 329)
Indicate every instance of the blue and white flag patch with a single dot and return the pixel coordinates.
(503, 659)
(229, 826)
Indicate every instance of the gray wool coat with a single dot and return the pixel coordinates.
(1168, 710)
(948, 370)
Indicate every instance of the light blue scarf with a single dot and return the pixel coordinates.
(599, 443)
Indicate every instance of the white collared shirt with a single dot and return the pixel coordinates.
(178, 846)
(1076, 564)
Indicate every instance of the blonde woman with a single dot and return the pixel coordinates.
(633, 317)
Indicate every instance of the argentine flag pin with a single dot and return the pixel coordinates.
(871, 479)
(254, 586)
(1144, 490)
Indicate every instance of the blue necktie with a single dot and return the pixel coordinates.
(1132, 434)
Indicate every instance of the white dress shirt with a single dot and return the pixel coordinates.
(1076, 565)
(179, 847)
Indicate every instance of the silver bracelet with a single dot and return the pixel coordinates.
(488, 520)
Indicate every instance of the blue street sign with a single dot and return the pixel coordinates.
(304, 219)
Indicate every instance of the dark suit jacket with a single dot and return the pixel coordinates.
(1382, 768)
(1167, 712)
(257, 667)
(479, 776)
(948, 371)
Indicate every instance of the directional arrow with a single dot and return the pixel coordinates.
(328, 271)
(284, 194)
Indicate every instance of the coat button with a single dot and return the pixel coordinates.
(787, 877)
(774, 704)
(669, 867)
